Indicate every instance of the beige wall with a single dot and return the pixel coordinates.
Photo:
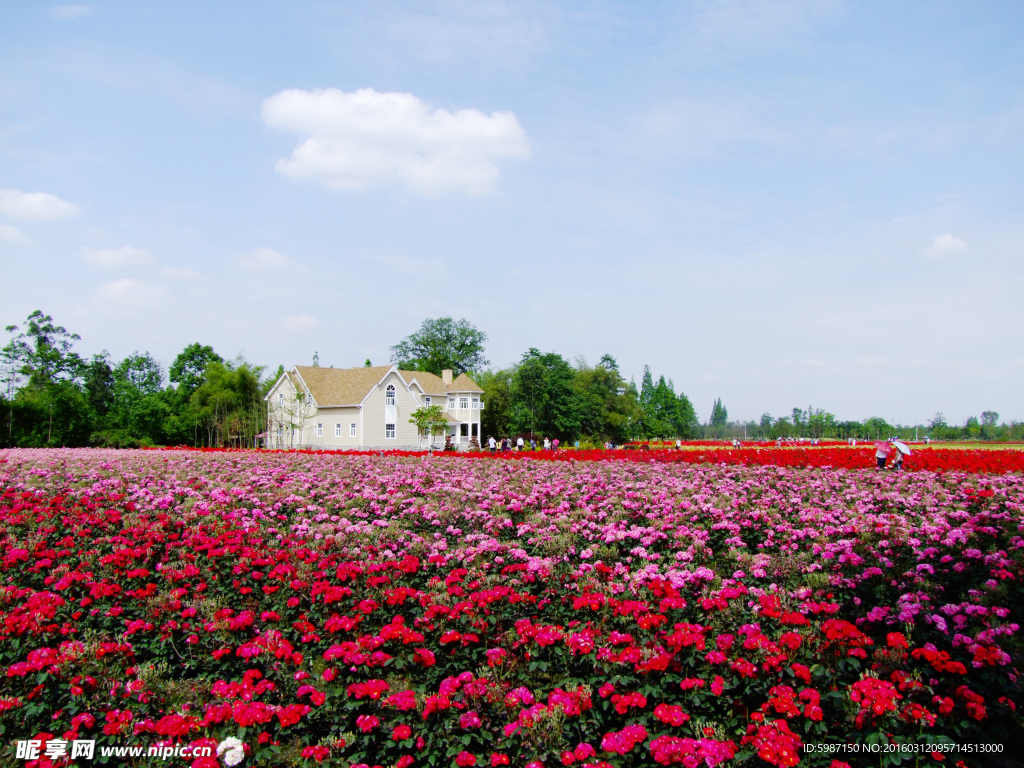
(329, 417)
(369, 423)
(373, 415)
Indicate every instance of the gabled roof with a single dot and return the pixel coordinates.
(341, 386)
(463, 383)
(350, 386)
(434, 385)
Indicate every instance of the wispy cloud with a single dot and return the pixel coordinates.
(34, 205)
(12, 234)
(184, 273)
(946, 246)
(363, 138)
(115, 258)
(68, 12)
(300, 322)
(131, 292)
(817, 363)
(264, 259)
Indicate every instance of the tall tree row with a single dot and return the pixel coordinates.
(52, 396)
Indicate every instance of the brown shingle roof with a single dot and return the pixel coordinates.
(434, 385)
(348, 386)
(341, 386)
(463, 383)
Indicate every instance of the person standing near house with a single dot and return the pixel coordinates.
(882, 450)
(491, 444)
(520, 444)
(547, 444)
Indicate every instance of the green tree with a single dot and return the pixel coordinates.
(607, 408)
(138, 410)
(99, 385)
(46, 405)
(190, 366)
(543, 399)
(429, 420)
(228, 405)
(496, 417)
(719, 415)
(44, 350)
(442, 344)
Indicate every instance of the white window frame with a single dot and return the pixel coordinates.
(337, 429)
(451, 403)
(352, 429)
(280, 398)
(389, 395)
(476, 403)
(390, 431)
(426, 401)
(463, 403)
(319, 429)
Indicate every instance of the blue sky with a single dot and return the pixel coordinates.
(777, 203)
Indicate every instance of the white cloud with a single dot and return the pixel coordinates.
(67, 12)
(131, 292)
(13, 235)
(300, 322)
(112, 258)
(872, 360)
(184, 273)
(363, 138)
(946, 246)
(817, 363)
(34, 205)
(262, 259)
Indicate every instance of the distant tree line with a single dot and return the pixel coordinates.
(815, 423)
(52, 396)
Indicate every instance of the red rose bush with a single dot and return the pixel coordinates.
(405, 611)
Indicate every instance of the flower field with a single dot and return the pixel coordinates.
(435, 611)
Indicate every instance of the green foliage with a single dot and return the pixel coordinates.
(720, 416)
(608, 409)
(429, 420)
(442, 344)
(544, 401)
(664, 414)
(189, 367)
(495, 419)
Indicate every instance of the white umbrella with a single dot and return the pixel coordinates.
(902, 447)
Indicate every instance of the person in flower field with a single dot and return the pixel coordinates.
(882, 450)
(491, 443)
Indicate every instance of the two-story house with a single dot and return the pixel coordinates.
(338, 408)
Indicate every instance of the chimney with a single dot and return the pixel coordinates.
(446, 376)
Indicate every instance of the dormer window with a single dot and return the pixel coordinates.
(389, 395)
(280, 398)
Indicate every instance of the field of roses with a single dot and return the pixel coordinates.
(429, 611)
(931, 459)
